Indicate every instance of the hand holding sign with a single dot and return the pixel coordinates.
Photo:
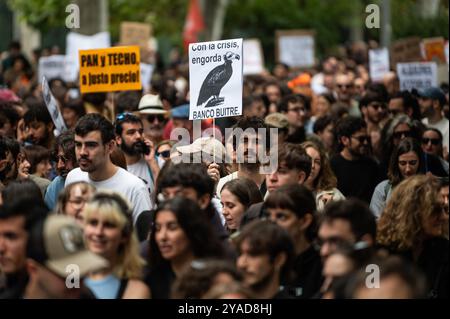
(215, 75)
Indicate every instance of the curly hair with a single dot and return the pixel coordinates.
(326, 179)
(400, 226)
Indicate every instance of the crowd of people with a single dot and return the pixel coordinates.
(118, 208)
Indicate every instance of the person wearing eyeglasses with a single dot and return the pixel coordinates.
(357, 173)
(404, 103)
(406, 160)
(153, 117)
(296, 108)
(414, 225)
(65, 159)
(138, 150)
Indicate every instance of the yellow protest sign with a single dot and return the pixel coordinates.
(112, 69)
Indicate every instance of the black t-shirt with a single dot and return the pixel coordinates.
(356, 178)
(308, 274)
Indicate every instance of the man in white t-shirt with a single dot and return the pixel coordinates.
(432, 101)
(139, 151)
(94, 142)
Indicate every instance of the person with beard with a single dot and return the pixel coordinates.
(266, 252)
(139, 151)
(65, 159)
(356, 172)
(94, 143)
(153, 117)
(39, 126)
(374, 110)
(249, 146)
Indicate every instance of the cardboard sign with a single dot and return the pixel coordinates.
(253, 57)
(295, 48)
(107, 70)
(405, 50)
(134, 33)
(433, 50)
(417, 75)
(215, 79)
(146, 75)
(378, 64)
(52, 67)
(53, 108)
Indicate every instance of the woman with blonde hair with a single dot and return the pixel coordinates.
(109, 233)
(414, 225)
(321, 181)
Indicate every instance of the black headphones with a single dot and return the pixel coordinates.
(125, 208)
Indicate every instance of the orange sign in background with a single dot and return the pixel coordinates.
(434, 50)
(111, 69)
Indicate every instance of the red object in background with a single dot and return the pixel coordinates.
(194, 24)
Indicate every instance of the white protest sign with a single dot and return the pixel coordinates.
(215, 79)
(418, 75)
(76, 42)
(146, 75)
(378, 63)
(253, 57)
(296, 48)
(52, 67)
(53, 108)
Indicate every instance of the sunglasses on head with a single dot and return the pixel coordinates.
(126, 116)
(433, 141)
(400, 134)
(151, 117)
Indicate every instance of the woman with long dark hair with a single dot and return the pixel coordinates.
(180, 234)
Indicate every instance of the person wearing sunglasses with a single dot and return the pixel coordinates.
(153, 117)
(357, 173)
(163, 149)
(432, 143)
(138, 150)
(344, 92)
(406, 160)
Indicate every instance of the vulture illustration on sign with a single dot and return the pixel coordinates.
(215, 81)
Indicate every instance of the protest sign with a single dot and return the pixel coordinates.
(52, 67)
(113, 69)
(134, 33)
(378, 63)
(215, 79)
(433, 50)
(405, 50)
(76, 42)
(53, 108)
(146, 75)
(253, 57)
(295, 48)
(418, 75)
